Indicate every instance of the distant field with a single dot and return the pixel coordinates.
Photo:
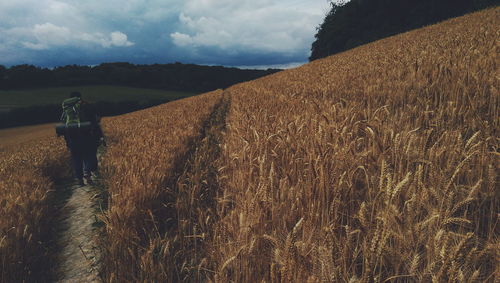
(30, 97)
(5, 108)
(19, 135)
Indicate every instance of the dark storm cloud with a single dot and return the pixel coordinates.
(223, 32)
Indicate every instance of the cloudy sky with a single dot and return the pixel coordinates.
(220, 32)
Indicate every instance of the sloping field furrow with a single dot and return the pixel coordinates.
(146, 149)
(196, 193)
(377, 164)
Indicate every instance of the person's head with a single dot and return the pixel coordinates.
(75, 94)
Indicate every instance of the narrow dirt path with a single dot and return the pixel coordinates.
(77, 254)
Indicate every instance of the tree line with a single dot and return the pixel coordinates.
(39, 114)
(175, 76)
(354, 23)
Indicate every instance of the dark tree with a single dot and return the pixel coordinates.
(3, 73)
(183, 77)
(350, 24)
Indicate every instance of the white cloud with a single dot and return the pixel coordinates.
(285, 26)
(181, 39)
(42, 24)
(120, 39)
(47, 35)
(30, 29)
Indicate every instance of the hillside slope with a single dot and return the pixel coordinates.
(379, 164)
(356, 22)
(376, 164)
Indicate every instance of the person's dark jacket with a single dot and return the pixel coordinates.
(79, 141)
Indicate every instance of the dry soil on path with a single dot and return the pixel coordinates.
(77, 254)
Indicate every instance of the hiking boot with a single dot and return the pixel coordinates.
(80, 183)
(94, 175)
(88, 179)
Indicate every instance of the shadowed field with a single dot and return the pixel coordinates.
(43, 96)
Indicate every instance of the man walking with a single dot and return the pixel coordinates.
(83, 135)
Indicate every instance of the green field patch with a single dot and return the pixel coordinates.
(96, 93)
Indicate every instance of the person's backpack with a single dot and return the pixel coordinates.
(74, 120)
(71, 109)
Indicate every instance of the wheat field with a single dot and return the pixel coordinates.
(27, 181)
(374, 165)
(379, 164)
(140, 168)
